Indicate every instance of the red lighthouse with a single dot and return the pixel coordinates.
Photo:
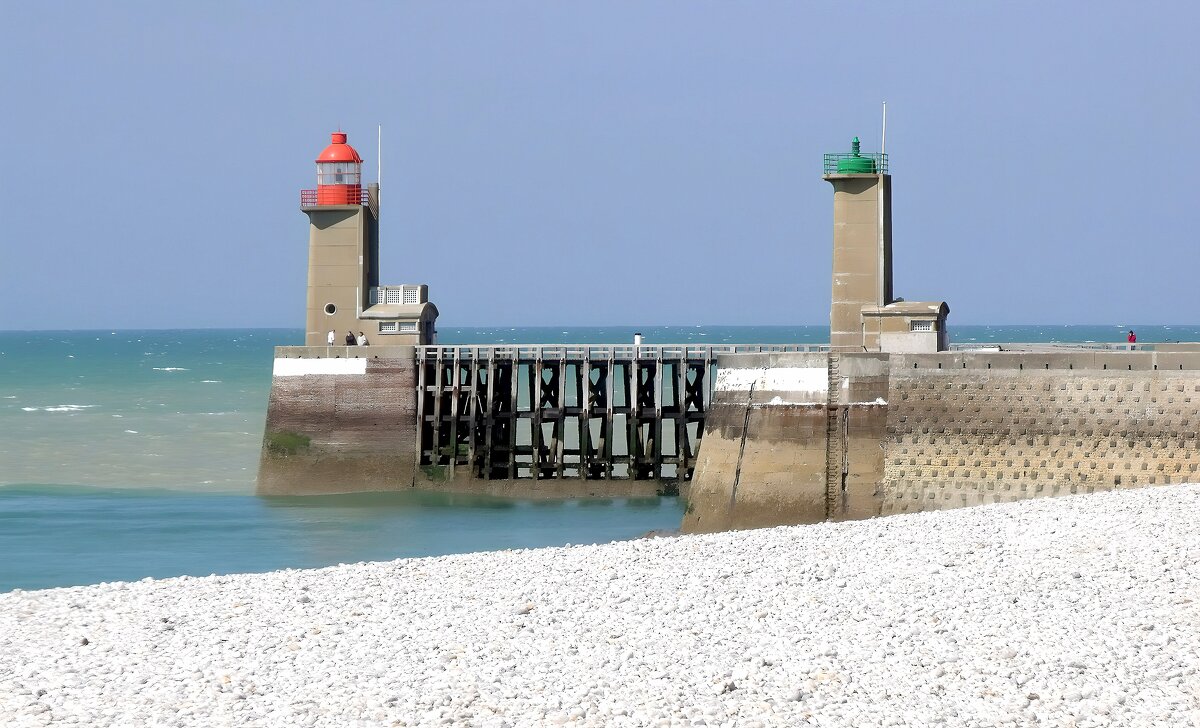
(343, 262)
(339, 173)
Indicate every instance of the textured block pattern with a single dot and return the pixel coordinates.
(967, 437)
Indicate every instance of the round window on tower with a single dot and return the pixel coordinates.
(330, 309)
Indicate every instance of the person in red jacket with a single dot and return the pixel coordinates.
(1132, 338)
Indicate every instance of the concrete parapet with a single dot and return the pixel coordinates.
(1177, 360)
(1082, 359)
(345, 352)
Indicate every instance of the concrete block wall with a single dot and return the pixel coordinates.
(959, 437)
(343, 422)
(920, 432)
(790, 438)
(762, 459)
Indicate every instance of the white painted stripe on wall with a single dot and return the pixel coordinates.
(736, 380)
(774, 379)
(796, 379)
(777, 401)
(799, 385)
(300, 367)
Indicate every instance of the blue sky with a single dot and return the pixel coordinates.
(598, 163)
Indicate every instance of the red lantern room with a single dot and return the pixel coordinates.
(339, 173)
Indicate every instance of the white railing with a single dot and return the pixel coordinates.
(606, 351)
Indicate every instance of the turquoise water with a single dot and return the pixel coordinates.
(62, 535)
(126, 454)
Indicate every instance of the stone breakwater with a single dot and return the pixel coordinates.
(1079, 611)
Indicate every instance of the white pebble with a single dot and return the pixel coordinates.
(1077, 610)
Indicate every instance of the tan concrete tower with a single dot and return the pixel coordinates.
(862, 242)
(344, 294)
(342, 243)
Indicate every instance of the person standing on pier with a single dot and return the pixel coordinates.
(331, 337)
(350, 338)
(1132, 338)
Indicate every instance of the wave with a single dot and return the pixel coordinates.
(171, 369)
(61, 408)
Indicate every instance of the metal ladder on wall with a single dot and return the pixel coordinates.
(834, 443)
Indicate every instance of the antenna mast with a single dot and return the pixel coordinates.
(883, 142)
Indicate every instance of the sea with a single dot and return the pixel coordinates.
(127, 455)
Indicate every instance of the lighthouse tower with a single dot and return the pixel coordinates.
(863, 314)
(344, 294)
(862, 242)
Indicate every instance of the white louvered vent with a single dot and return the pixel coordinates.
(398, 327)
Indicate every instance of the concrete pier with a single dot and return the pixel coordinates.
(530, 420)
(883, 434)
(340, 419)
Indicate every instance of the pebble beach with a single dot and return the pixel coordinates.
(1075, 611)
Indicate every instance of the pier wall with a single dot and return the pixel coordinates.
(519, 420)
(775, 438)
(763, 457)
(1035, 426)
(905, 433)
(342, 419)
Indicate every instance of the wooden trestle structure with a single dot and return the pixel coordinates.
(566, 411)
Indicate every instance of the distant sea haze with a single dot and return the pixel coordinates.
(133, 453)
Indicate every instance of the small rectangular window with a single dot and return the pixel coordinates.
(387, 327)
(412, 294)
(921, 326)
